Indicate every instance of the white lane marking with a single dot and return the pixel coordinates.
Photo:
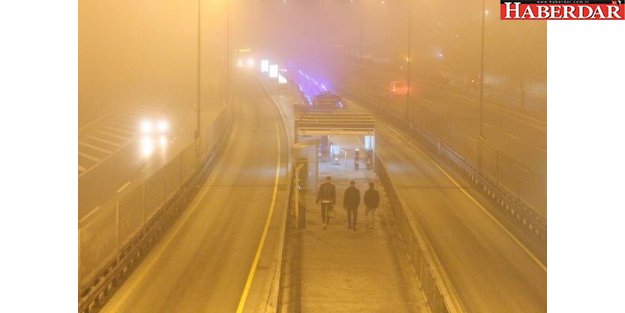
(261, 245)
(87, 156)
(540, 264)
(117, 144)
(113, 135)
(123, 125)
(88, 215)
(123, 187)
(132, 119)
(154, 106)
(94, 147)
(512, 136)
(119, 130)
(148, 106)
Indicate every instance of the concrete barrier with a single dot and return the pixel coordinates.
(97, 239)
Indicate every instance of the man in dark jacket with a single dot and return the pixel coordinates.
(372, 200)
(351, 200)
(327, 197)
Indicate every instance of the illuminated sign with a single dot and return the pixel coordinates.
(273, 70)
(264, 66)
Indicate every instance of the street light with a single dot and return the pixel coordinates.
(198, 132)
(481, 126)
(362, 27)
(409, 60)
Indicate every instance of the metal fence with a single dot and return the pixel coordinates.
(506, 182)
(434, 283)
(117, 234)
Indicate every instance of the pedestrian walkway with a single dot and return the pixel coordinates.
(343, 270)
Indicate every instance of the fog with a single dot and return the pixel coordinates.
(133, 52)
(146, 51)
(456, 56)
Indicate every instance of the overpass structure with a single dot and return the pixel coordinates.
(337, 122)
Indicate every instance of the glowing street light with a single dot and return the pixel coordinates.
(273, 70)
(264, 66)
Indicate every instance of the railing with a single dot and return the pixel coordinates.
(508, 203)
(435, 285)
(114, 239)
(274, 298)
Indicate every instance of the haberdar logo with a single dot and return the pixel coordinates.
(562, 10)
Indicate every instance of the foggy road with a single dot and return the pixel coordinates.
(110, 152)
(491, 269)
(515, 153)
(203, 262)
(480, 89)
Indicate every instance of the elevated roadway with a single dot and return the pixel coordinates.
(110, 156)
(492, 266)
(206, 261)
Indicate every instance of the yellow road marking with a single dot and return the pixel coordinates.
(250, 277)
(540, 264)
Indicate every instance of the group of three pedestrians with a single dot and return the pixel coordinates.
(351, 200)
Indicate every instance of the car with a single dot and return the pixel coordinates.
(327, 101)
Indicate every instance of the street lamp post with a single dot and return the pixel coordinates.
(481, 113)
(198, 132)
(362, 27)
(409, 61)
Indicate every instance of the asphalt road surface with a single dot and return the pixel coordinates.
(110, 152)
(492, 268)
(203, 262)
(515, 152)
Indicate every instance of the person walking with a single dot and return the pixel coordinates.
(351, 200)
(372, 200)
(327, 196)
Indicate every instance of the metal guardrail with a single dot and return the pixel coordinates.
(274, 298)
(435, 284)
(111, 274)
(511, 205)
